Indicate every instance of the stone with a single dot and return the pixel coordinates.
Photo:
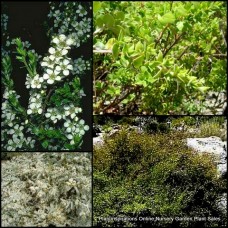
(213, 145)
(96, 130)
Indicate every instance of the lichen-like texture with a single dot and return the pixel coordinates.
(43, 189)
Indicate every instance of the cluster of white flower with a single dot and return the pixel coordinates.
(77, 25)
(80, 65)
(15, 135)
(57, 66)
(76, 127)
(35, 104)
(4, 21)
(43, 178)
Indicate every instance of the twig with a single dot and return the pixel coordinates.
(224, 38)
(102, 51)
(183, 52)
(118, 100)
(177, 38)
(220, 55)
(47, 98)
(161, 34)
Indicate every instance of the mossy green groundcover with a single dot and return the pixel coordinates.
(155, 179)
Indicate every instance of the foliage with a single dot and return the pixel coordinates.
(158, 57)
(40, 189)
(53, 119)
(140, 175)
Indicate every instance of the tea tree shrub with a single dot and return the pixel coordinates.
(159, 57)
(156, 175)
(39, 189)
(53, 118)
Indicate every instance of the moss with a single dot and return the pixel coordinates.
(154, 175)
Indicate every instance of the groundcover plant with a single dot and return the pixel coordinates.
(52, 118)
(162, 57)
(146, 175)
(47, 189)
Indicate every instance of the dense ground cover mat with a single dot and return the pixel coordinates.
(155, 179)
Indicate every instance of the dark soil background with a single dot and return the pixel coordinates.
(26, 20)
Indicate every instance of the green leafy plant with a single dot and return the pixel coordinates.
(158, 57)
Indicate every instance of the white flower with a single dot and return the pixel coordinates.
(13, 144)
(72, 111)
(51, 76)
(53, 114)
(69, 41)
(35, 104)
(64, 51)
(70, 126)
(36, 82)
(81, 11)
(48, 62)
(16, 131)
(70, 136)
(52, 50)
(35, 107)
(55, 40)
(62, 37)
(65, 66)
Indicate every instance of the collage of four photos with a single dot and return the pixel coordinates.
(113, 114)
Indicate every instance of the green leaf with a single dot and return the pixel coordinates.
(19, 58)
(96, 6)
(21, 52)
(108, 20)
(124, 61)
(120, 37)
(137, 62)
(111, 91)
(115, 50)
(166, 18)
(180, 11)
(110, 43)
(180, 25)
(99, 21)
(139, 47)
(45, 144)
(143, 69)
(203, 89)
(140, 80)
(160, 56)
(120, 15)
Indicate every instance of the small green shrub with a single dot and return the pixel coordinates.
(151, 126)
(163, 127)
(208, 129)
(154, 175)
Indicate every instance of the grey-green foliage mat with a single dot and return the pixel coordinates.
(39, 189)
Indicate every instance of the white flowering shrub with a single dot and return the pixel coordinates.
(42, 189)
(53, 119)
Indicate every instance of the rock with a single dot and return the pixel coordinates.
(99, 139)
(222, 203)
(113, 133)
(115, 126)
(213, 145)
(136, 129)
(96, 130)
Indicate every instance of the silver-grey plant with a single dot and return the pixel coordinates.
(39, 189)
